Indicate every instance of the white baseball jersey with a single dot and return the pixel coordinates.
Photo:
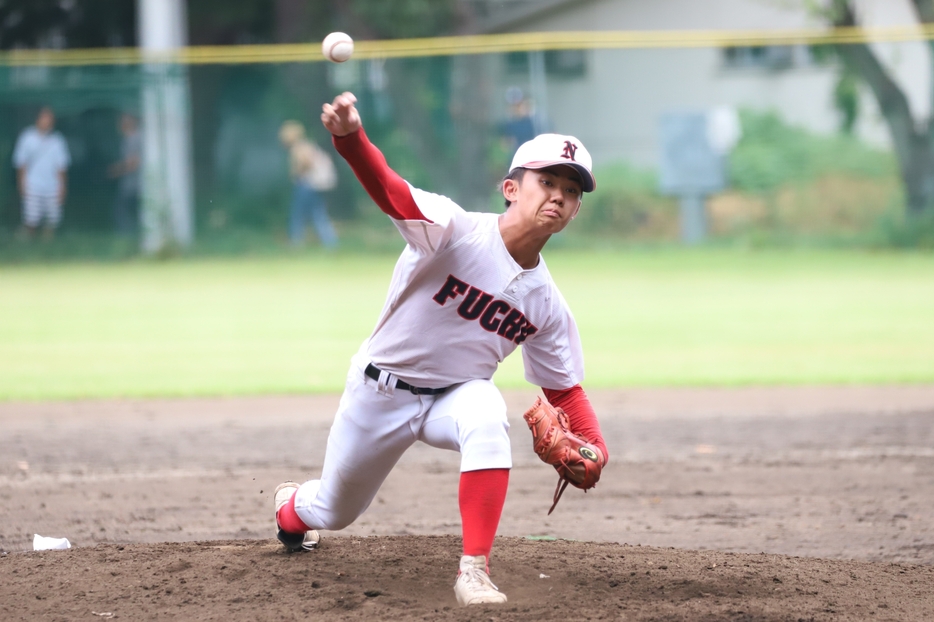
(459, 304)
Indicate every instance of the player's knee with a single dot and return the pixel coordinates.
(492, 431)
(486, 446)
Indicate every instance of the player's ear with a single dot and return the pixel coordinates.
(510, 190)
(577, 211)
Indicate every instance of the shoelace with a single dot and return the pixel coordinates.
(478, 578)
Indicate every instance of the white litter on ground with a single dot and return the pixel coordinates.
(41, 543)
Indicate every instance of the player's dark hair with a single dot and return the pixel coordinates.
(515, 175)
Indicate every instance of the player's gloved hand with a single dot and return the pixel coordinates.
(341, 116)
(577, 461)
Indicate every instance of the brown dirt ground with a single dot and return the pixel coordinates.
(747, 504)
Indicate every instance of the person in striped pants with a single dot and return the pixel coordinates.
(41, 159)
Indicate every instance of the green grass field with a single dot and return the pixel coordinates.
(290, 324)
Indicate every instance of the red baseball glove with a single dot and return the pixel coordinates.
(577, 461)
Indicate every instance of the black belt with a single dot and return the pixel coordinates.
(374, 372)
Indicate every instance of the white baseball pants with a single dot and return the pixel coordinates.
(376, 423)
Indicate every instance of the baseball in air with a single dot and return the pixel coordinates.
(337, 47)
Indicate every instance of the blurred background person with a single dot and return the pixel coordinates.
(126, 172)
(312, 172)
(41, 160)
(519, 128)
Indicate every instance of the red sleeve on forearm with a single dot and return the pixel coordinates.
(384, 185)
(581, 416)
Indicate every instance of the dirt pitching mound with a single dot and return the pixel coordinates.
(411, 578)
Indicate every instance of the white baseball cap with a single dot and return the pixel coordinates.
(550, 149)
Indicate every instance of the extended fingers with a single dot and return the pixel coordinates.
(345, 99)
(343, 104)
(340, 117)
(329, 117)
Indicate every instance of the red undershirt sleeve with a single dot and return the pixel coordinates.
(390, 192)
(581, 416)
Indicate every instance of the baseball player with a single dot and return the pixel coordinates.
(466, 291)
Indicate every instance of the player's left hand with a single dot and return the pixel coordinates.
(577, 461)
(341, 116)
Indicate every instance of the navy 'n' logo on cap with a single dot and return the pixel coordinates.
(569, 150)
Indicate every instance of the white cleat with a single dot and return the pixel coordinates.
(473, 585)
(293, 541)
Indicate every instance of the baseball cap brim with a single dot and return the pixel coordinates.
(588, 182)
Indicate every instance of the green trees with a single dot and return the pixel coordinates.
(913, 139)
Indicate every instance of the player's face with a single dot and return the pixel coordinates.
(549, 196)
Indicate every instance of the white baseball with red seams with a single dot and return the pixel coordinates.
(337, 47)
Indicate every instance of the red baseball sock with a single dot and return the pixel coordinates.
(288, 520)
(481, 496)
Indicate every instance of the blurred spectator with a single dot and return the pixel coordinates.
(520, 127)
(41, 160)
(126, 171)
(312, 172)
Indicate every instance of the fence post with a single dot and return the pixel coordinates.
(167, 214)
